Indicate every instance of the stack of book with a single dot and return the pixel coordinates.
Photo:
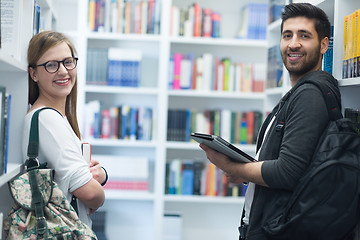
(121, 16)
(210, 73)
(236, 127)
(114, 67)
(255, 18)
(125, 173)
(196, 177)
(351, 47)
(118, 122)
(275, 68)
(194, 21)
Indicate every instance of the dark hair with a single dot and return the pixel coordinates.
(38, 45)
(322, 24)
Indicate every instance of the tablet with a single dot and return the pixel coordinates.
(219, 144)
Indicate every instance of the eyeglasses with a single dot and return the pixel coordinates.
(53, 65)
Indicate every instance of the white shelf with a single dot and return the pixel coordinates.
(195, 146)
(216, 94)
(121, 143)
(129, 195)
(204, 199)
(124, 37)
(12, 171)
(10, 64)
(349, 82)
(119, 90)
(219, 41)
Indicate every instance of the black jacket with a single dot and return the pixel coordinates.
(288, 147)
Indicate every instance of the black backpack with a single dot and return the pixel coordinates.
(325, 203)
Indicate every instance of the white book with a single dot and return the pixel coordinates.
(207, 71)
(86, 151)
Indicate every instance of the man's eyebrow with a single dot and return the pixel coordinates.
(299, 31)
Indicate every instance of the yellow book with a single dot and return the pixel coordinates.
(351, 46)
(92, 9)
(345, 46)
(357, 55)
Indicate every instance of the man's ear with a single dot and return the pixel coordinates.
(32, 74)
(324, 44)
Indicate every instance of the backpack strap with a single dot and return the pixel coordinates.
(33, 147)
(334, 110)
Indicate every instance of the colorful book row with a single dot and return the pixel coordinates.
(194, 21)
(113, 67)
(235, 127)
(123, 16)
(191, 177)
(210, 73)
(351, 48)
(118, 122)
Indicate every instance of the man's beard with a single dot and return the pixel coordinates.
(303, 67)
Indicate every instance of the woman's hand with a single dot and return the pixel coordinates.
(97, 172)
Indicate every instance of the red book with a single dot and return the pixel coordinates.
(197, 20)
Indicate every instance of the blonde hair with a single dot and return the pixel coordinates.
(38, 45)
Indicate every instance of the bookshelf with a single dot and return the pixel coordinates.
(13, 71)
(135, 215)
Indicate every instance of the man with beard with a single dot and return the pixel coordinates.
(305, 33)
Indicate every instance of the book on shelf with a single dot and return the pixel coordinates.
(172, 226)
(255, 18)
(354, 115)
(98, 219)
(125, 173)
(194, 21)
(328, 56)
(274, 68)
(210, 73)
(10, 10)
(2, 128)
(3, 123)
(197, 177)
(36, 18)
(351, 47)
(120, 16)
(7, 127)
(97, 66)
(275, 9)
(237, 127)
(124, 67)
(118, 122)
(113, 67)
(0, 29)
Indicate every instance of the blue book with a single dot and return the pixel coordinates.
(187, 178)
(7, 126)
(133, 123)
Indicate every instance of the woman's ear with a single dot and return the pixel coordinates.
(32, 73)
